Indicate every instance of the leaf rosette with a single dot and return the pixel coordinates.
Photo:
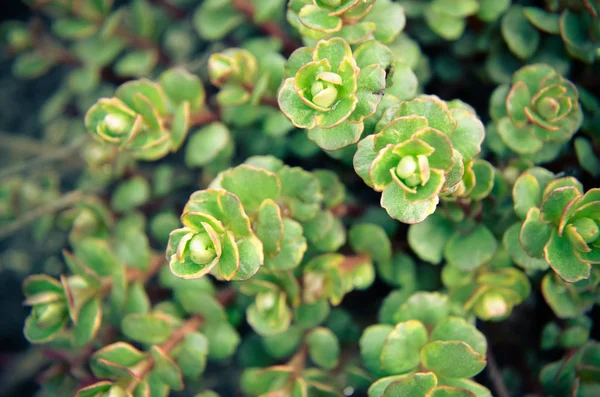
(418, 154)
(580, 32)
(49, 309)
(565, 229)
(217, 238)
(329, 94)
(352, 20)
(560, 222)
(317, 17)
(540, 108)
(491, 293)
(145, 118)
(235, 71)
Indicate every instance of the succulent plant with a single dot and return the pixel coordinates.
(353, 21)
(560, 223)
(418, 154)
(578, 27)
(491, 294)
(424, 330)
(219, 204)
(328, 16)
(217, 235)
(330, 94)
(541, 107)
(145, 118)
(49, 312)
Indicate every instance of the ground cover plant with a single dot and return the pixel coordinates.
(301, 198)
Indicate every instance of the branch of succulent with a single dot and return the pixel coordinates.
(49, 48)
(41, 153)
(177, 336)
(66, 201)
(326, 197)
(136, 275)
(496, 376)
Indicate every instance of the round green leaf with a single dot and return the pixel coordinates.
(520, 36)
(457, 329)
(323, 347)
(205, 144)
(400, 352)
(417, 385)
(146, 328)
(371, 239)
(428, 238)
(469, 251)
(452, 359)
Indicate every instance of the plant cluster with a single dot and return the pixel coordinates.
(226, 159)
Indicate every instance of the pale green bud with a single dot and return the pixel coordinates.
(316, 87)
(201, 249)
(330, 77)
(548, 108)
(406, 167)
(326, 97)
(413, 180)
(587, 229)
(117, 123)
(493, 305)
(47, 315)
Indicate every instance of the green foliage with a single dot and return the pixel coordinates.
(427, 337)
(257, 240)
(331, 93)
(560, 224)
(418, 155)
(146, 118)
(538, 112)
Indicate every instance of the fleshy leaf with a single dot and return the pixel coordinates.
(469, 251)
(323, 347)
(398, 207)
(452, 359)
(401, 349)
(566, 264)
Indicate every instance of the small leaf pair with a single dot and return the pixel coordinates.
(244, 78)
(465, 245)
(331, 276)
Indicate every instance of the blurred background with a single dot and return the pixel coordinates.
(20, 103)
